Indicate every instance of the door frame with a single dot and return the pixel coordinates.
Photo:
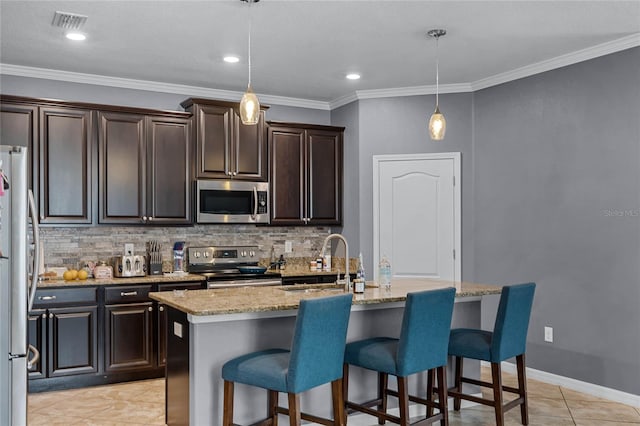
(457, 203)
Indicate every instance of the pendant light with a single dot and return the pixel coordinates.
(437, 123)
(249, 104)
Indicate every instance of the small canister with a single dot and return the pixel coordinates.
(103, 271)
(319, 264)
(358, 285)
(313, 265)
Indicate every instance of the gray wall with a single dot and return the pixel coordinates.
(80, 92)
(399, 126)
(348, 116)
(557, 201)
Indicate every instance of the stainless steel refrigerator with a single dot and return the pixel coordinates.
(19, 250)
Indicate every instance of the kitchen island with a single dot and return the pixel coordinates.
(208, 327)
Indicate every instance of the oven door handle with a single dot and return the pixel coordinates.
(244, 283)
(254, 215)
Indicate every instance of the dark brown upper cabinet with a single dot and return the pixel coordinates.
(144, 169)
(64, 157)
(226, 148)
(306, 163)
(19, 127)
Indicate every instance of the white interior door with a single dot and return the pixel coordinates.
(417, 214)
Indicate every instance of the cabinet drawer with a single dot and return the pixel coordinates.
(65, 296)
(126, 294)
(181, 286)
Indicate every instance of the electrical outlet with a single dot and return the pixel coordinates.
(128, 249)
(288, 246)
(548, 334)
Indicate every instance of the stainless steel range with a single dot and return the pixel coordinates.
(219, 264)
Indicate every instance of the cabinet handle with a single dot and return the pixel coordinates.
(150, 308)
(46, 297)
(128, 293)
(161, 308)
(41, 217)
(150, 217)
(51, 316)
(144, 218)
(235, 173)
(44, 316)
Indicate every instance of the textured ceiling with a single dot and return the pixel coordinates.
(303, 49)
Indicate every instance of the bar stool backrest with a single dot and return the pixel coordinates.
(424, 337)
(512, 321)
(317, 351)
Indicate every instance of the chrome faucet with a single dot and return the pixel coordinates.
(347, 284)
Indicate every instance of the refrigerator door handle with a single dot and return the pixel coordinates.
(36, 357)
(36, 252)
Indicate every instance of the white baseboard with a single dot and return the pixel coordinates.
(573, 384)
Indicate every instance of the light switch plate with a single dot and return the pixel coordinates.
(548, 334)
(128, 249)
(177, 329)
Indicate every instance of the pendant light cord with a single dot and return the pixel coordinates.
(249, 43)
(437, 71)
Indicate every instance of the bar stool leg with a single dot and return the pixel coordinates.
(442, 396)
(429, 392)
(497, 393)
(227, 413)
(294, 409)
(345, 389)
(383, 384)
(522, 388)
(338, 403)
(403, 401)
(272, 407)
(458, 383)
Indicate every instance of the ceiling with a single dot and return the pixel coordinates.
(303, 49)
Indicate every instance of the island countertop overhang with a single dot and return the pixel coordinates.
(255, 300)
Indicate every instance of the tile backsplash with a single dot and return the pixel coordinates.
(72, 247)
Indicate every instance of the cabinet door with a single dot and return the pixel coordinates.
(169, 173)
(287, 176)
(213, 141)
(324, 177)
(36, 336)
(249, 153)
(121, 167)
(128, 337)
(162, 335)
(19, 127)
(73, 341)
(65, 157)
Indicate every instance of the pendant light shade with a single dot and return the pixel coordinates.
(249, 107)
(249, 104)
(437, 123)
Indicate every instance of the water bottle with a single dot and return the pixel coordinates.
(384, 273)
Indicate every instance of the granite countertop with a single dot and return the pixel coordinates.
(265, 299)
(148, 279)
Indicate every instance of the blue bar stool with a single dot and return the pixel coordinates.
(508, 340)
(315, 358)
(422, 346)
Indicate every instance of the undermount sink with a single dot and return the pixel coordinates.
(312, 290)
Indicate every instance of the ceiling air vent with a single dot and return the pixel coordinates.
(70, 21)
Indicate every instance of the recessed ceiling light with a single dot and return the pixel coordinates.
(353, 76)
(231, 59)
(76, 36)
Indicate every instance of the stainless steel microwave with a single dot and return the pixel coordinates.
(228, 201)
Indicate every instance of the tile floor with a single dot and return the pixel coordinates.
(142, 403)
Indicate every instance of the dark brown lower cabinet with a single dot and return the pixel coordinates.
(37, 335)
(73, 341)
(128, 337)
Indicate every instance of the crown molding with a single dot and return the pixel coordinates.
(627, 42)
(582, 55)
(153, 86)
